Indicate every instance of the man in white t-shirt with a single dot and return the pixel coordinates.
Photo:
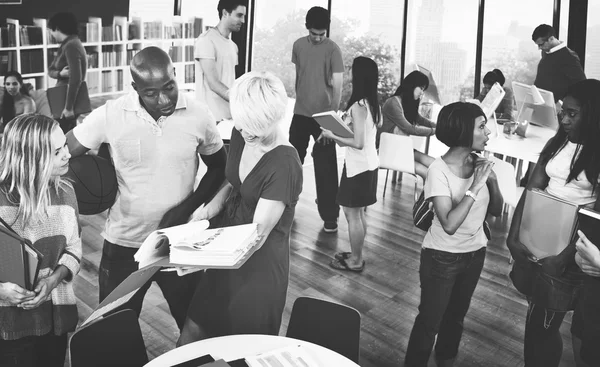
(154, 136)
(216, 57)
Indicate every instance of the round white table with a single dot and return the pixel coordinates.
(527, 149)
(235, 347)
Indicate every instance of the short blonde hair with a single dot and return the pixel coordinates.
(258, 101)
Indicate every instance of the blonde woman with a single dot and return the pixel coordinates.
(41, 207)
(264, 177)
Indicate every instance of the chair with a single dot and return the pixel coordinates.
(115, 340)
(396, 154)
(328, 324)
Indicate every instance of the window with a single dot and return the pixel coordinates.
(278, 24)
(592, 47)
(442, 37)
(372, 29)
(507, 43)
(152, 9)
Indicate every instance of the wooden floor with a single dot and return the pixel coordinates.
(386, 293)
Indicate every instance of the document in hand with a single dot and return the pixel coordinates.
(548, 224)
(589, 224)
(292, 356)
(330, 120)
(19, 260)
(492, 99)
(193, 244)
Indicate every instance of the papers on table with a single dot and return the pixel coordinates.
(192, 244)
(292, 356)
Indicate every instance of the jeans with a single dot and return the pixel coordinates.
(325, 164)
(117, 264)
(448, 281)
(32, 351)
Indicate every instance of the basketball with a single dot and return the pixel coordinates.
(95, 183)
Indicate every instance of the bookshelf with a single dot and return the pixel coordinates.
(29, 49)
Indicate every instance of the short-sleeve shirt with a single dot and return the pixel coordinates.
(469, 236)
(315, 65)
(156, 161)
(212, 45)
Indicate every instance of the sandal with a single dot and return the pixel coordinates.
(342, 255)
(341, 264)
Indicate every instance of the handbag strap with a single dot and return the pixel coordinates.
(8, 226)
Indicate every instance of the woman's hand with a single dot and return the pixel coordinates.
(326, 137)
(588, 256)
(200, 214)
(65, 72)
(42, 289)
(519, 251)
(13, 294)
(483, 169)
(67, 114)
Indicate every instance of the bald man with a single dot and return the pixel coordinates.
(154, 135)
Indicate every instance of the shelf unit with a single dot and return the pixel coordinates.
(109, 50)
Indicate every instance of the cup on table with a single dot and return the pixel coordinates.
(510, 127)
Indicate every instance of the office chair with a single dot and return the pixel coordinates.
(396, 154)
(328, 324)
(114, 340)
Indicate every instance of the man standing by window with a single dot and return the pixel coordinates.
(559, 67)
(319, 75)
(216, 58)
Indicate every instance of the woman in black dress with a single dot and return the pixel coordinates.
(264, 177)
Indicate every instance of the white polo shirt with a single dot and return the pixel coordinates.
(156, 161)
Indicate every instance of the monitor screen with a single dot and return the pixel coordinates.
(542, 114)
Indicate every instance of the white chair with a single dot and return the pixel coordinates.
(396, 154)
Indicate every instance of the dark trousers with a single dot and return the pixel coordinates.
(543, 344)
(448, 281)
(325, 164)
(117, 264)
(590, 341)
(32, 351)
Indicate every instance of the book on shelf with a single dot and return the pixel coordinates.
(589, 224)
(31, 35)
(330, 120)
(193, 244)
(32, 61)
(548, 224)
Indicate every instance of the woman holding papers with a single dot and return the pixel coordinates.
(568, 168)
(358, 186)
(264, 177)
(506, 106)
(39, 206)
(16, 100)
(463, 189)
(401, 115)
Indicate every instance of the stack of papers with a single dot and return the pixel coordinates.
(193, 244)
(292, 356)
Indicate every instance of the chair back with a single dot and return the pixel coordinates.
(396, 153)
(114, 340)
(328, 324)
(507, 181)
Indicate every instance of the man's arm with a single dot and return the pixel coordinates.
(75, 147)
(209, 70)
(337, 81)
(208, 186)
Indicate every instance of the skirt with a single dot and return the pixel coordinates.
(358, 191)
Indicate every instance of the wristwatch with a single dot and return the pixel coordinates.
(471, 194)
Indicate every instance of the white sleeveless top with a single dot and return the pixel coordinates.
(577, 191)
(365, 159)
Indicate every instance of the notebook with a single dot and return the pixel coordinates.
(19, 260)
(57, 97)
(330, 120)
(548, 224)
(589, 224)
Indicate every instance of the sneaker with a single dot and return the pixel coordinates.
(330, 226)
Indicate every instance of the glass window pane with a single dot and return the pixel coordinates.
(564, 20)
(152, 9)
(278, 24)
(372, 29)
(592, 47)
(507, 43)
(442, 37)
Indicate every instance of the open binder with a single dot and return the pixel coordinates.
(330, 120)
(19, 260)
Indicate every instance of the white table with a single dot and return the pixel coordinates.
(235, 347)
(526, 149)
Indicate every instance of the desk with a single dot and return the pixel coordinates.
(526, 149)
(235, 347)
